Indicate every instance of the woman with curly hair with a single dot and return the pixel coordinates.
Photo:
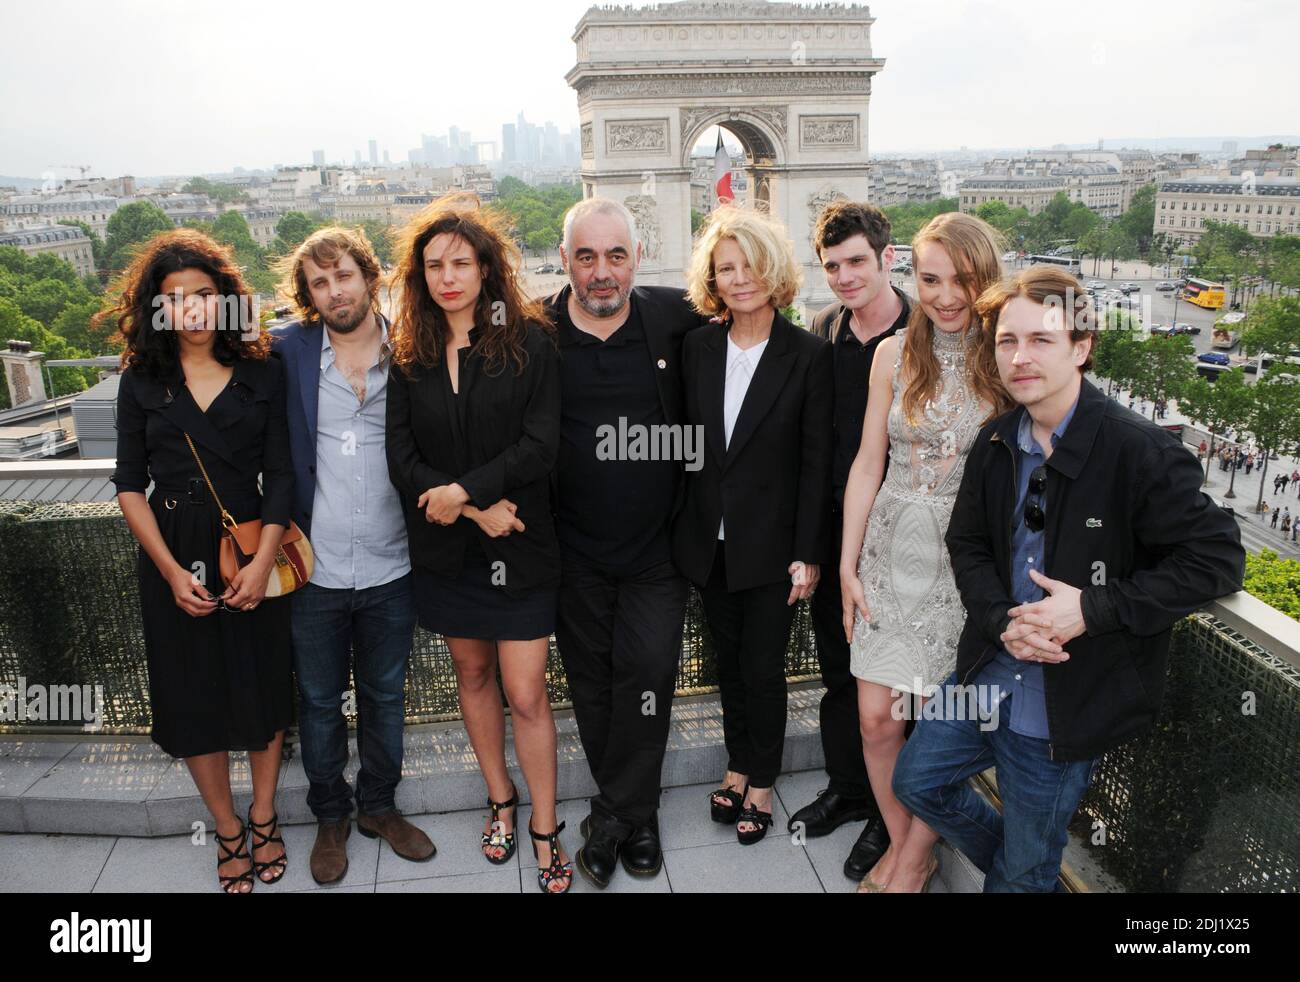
(473, 433)
(197, 386)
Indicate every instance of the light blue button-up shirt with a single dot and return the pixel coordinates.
(1022, 681)
(357, 530)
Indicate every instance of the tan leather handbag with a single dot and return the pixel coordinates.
(294, 560)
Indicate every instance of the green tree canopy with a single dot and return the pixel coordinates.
(129, 227)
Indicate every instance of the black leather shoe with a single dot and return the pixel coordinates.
(866, 852)
(598, 857)
(829, 812)
(641, 854)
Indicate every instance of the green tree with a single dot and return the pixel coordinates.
(1218, 406)
(96, 246)
(18, 326)
(1116, 351)
(223, 193)
(1139, 221)
(292, 228)
(907, 219)
(43, 300)
(381, 240)
(1273, 419)
(1272, 327)
(131, 226)
(74, 325)
(1164, 369)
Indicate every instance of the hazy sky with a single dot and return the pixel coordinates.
(153, 87)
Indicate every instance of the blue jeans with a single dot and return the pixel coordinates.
(1019, 851)
(329, 626)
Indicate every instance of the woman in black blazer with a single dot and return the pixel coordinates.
(473, 433)
(753, 530)
(218, 657)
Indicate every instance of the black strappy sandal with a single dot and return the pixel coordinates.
(281, 863)
(229, 884)
(496, 838)
(753, 816)
(557, 869)
(725, 814)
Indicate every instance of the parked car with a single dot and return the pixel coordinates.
(1127, 288)
(1165, 287)
(1214, 358)
(1162, 330)
(1096, 285)
(546, 268)
(1182, 328)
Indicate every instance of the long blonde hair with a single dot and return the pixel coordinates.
(974, 247)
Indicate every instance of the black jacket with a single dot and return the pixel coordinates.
(666, 317)
(512, 437)
(1126, 523)
(772, 485)
(243, 434)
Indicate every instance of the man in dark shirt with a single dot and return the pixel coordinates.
(622, 450)
(852, 241)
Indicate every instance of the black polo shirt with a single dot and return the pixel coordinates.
(613, 512)
(852, 361)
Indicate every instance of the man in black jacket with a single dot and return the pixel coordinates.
(1073, 497)
(853, 242)
(622, 602)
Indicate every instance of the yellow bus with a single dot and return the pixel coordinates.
(1203, 293)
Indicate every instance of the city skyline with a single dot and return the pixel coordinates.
(1065, 76)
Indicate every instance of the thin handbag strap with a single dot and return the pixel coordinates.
(226, 518)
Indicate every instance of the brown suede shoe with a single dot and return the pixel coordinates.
(407, 841)
(329, 856)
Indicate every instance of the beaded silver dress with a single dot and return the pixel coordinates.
(916, 613)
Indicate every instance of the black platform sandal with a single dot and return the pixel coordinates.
(281, 863)
(557, 869)
(725, 814)
(753, 816)
(230, 884)
(496, 838)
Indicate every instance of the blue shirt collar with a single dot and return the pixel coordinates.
(1024, 435)
(385, 348)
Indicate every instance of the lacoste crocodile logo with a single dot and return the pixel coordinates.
(1093, 523)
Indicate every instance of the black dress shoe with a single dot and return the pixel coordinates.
(598, 857)
(866, 852)
(640, 854)
(829, 812)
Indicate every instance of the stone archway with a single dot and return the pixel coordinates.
(793, 83)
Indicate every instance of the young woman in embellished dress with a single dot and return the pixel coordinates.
(933, 385)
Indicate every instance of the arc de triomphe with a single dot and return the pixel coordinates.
(792, 82)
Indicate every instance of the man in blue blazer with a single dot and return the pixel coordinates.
(357, 611)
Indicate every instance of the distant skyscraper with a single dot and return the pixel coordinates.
(318, 158)
(508, 152)
(356, 157)
(1229, 146)
(387, 162)
(374, 154)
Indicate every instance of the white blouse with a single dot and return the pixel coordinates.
(741, 365)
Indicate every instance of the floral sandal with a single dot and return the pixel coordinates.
(557, 869)
(496, 838)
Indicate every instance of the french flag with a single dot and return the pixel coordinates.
(722, 172)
